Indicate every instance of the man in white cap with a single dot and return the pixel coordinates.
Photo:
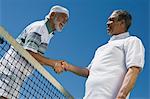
(35, 39)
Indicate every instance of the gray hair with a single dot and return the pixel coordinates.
(124, 15)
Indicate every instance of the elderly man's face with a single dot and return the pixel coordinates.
(113, 25)
(60, 20)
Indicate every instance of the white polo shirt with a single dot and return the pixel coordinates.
(13, 68)
(110, 64)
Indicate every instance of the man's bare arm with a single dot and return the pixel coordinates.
(75, 69)
(43, 60)
(129, 82)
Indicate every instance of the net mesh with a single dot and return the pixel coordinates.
(21, 80)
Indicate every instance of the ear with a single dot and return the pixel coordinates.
(122, 22)
(52, 15)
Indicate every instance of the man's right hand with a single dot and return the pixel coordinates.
(65, 65)
(58, 67)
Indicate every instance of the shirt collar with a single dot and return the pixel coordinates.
(119, 36)
(49, 27)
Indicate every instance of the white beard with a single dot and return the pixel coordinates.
(59, 29)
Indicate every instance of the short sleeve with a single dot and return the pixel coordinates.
(32, 42)
(134, 52)
(42, 48)
(89, 66)
(21, 38)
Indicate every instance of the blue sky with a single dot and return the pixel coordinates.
(83, 34)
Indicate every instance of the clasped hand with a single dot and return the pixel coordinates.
(60, 66)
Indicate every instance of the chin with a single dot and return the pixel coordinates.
(109, 33)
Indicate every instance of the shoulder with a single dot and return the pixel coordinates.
(35, 26)
(132, 39)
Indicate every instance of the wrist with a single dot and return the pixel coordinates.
(67, 67)
(54, 63)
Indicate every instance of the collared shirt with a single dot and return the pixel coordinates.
(110, 64)
(14, 68)
(35, 37)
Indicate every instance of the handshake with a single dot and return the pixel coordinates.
(60, 66)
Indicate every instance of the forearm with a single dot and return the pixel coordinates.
(78, 71)
(128, 83)
(43, 60)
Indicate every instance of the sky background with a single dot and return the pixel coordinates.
(83, 34)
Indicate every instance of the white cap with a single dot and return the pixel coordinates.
(59, 9)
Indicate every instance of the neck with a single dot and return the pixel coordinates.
(119, 32)
(50, 26)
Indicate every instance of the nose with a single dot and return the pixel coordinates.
(108, 23)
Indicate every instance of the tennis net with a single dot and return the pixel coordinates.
(22, 77)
